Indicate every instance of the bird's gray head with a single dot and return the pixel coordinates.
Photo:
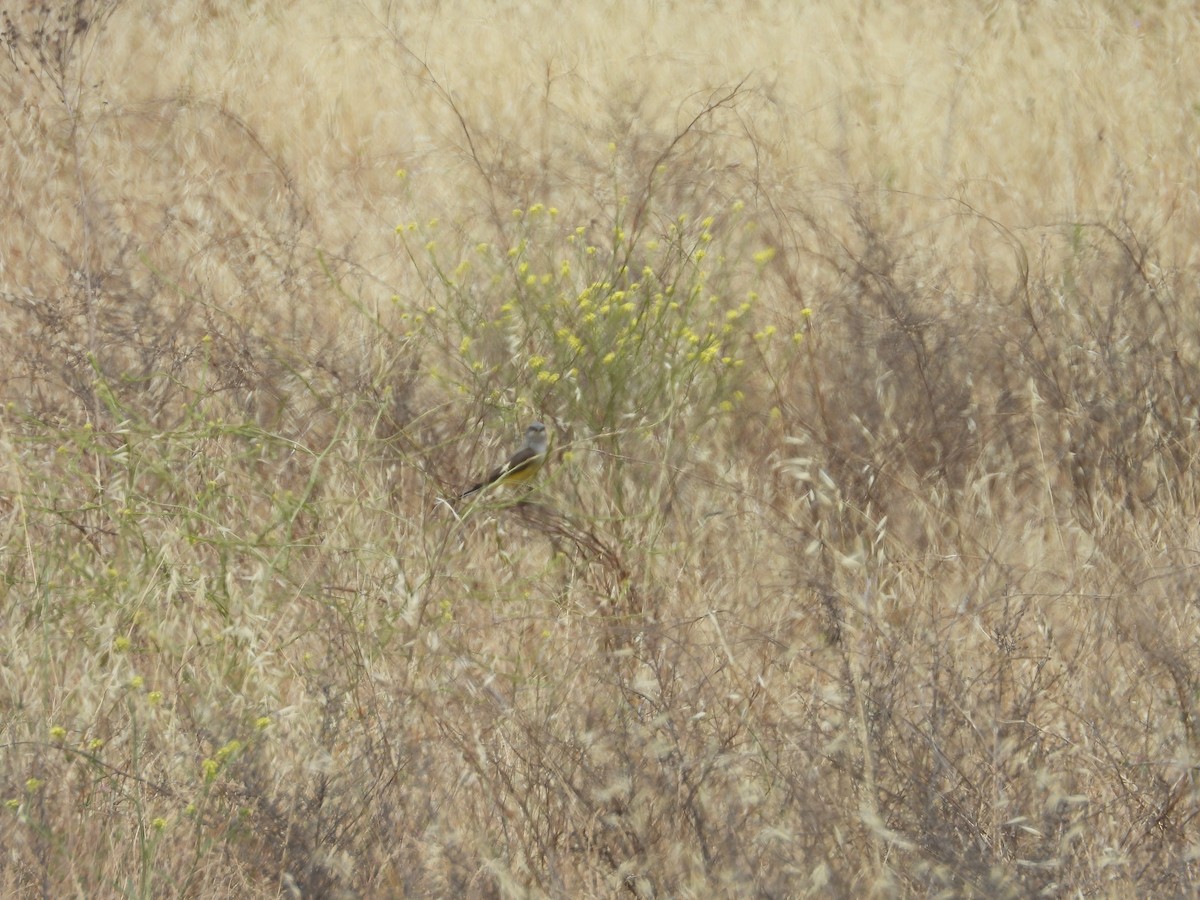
(535, 437)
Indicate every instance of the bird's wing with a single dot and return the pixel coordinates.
(522, 459)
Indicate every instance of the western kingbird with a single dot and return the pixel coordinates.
(522, 465)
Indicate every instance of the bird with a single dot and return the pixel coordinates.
(521, 466)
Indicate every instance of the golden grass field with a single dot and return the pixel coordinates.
(865, 560)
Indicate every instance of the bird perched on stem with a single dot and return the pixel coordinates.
(521, 466)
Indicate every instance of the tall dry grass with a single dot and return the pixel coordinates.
(864, 563)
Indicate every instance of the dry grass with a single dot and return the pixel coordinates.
(865, 563)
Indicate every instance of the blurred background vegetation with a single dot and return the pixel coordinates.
(864, 562)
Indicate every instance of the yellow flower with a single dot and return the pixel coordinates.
(572, 340)
(58, 733)
(762, 257)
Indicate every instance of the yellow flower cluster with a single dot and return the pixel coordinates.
(571, 306)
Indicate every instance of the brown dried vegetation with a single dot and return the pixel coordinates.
(880, 581)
